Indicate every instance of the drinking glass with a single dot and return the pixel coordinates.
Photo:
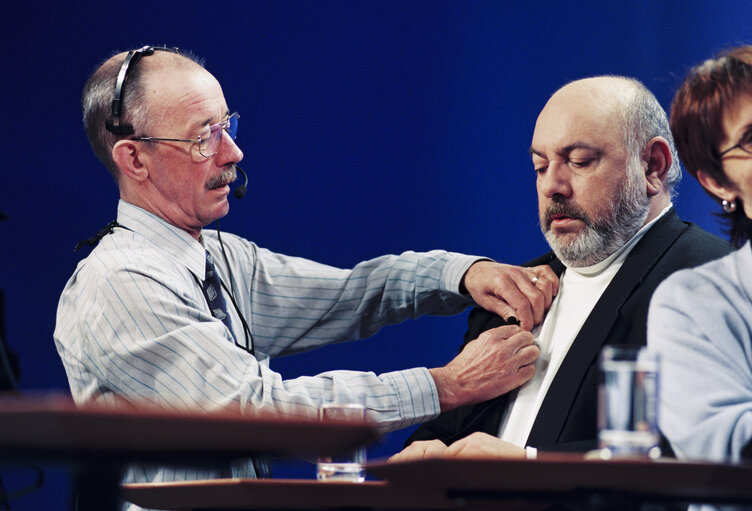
(628, 403)
(347, 466)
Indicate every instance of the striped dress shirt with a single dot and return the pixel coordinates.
(134, 325)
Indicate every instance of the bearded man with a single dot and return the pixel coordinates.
(606, 169)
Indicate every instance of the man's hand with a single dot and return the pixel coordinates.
(524, 293)
(499, 360)
(482, 445)
(421, 449)
(477, 445)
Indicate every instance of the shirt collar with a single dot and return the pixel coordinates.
(183, 248)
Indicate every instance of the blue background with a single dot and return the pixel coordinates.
(368, 128)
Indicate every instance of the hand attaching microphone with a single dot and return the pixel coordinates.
(239, 192)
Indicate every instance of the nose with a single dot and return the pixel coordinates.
(229, 150)
(555, 181)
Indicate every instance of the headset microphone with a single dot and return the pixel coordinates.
(239, 192)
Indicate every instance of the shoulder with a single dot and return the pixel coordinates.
(708, 283)
(705, 311)
(705, 243)
(127, 257)
(684, 241)
(673, 245)
(241, 252)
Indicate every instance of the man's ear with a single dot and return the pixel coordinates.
(129, 158)
(658, 156)
(710, 184)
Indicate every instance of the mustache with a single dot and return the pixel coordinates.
(564, 209)
(227, 176)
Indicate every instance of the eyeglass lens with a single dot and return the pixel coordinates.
(746, 143)
(213, 135)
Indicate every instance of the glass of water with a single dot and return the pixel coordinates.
(348, 466)
(628, 403)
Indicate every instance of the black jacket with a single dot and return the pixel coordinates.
(566, 420)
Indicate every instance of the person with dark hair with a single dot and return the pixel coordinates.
(700, 320)
(164, 313)
(606, 169)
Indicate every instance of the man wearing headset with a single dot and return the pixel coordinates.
(162, 312)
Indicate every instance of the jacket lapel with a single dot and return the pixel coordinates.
(595, 331)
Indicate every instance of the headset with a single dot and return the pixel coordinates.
(114, 126)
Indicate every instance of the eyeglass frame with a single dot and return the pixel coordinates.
(223, 127)
(739, 145)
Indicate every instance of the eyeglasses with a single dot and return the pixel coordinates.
(209, 139)
(745, 144)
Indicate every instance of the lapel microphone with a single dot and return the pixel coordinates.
(239, 192)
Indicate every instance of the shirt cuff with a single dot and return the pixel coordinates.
(455, 269)
(416, 394)
(531, 453)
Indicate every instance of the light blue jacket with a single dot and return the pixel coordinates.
(700, 322)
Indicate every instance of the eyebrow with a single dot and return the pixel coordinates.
(568, 149)
(207, 122)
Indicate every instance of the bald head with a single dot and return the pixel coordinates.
(599, 95)
(624, 104)
(98, 93)
(162, 59)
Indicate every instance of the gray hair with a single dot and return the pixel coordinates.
(97, 95)
(643, 119)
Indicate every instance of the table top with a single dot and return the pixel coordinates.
(54, 428)
(571, 473)
(280, 494)
(466, 484)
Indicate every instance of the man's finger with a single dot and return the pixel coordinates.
(518, 304)
(419, 450)
(521, 294)
(507, 312)
(537, 290)
(528, 354)
(482, 445)
(545, 273)
(544, 287)
(515, 339)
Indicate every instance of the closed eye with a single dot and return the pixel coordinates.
(580, 163)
